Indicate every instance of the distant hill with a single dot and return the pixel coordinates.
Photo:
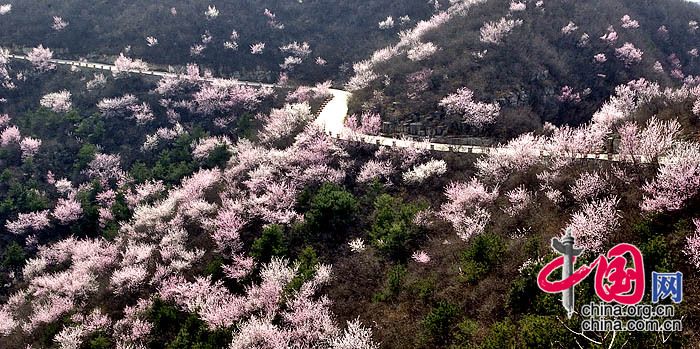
(526, 72)
(338, 31)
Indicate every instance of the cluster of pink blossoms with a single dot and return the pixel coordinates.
(123, 65)
(692, 249)
(657, 138)
(418, 82)
(629, 54)
(59, 102)
(222, 96)
(629, 23)
(29, 147)
(366, 124)
(466, 207)
(519, 199)
(568, 95)
(29, 222)
(105, 167)
(59, 23)
(282, 123)
(589, 185)
(569, 28)
(475, 113)
(272, 20)
(40, 57)
(495, 32)
(594, 223)
(204, 146)
(610, 37)
(677, 182)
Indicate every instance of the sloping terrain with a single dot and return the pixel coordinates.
(527, 69)
(187, 211)
(339, 32)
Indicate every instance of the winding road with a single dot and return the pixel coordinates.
(333, 113)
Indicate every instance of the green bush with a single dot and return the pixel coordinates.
(174, 329)
(85, 155)
(393, 231)
(306, 262)
(394, 282)
(99, 341)
(27, 196)
(463, 335)
(120, 209)
(524, 295)
(481, 256)
(331, 211)
(194, 334)
(215, 268)
(501, 336)
(218, 157)
(542, 332)
(140, 172)
(176, 162)
(657, 256)
(423, 289)
(270, 244)
(13, 256)
(92, 128)
(438, 324)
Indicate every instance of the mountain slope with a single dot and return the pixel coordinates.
(340, 32)
(526, 71)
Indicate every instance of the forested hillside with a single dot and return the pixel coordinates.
(338, 32)
(196, 210)
(557, 62)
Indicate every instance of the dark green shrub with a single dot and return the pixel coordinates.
(393, 231)
(394, 282)
(542, 332)
(99, 341)
(307, 262)
(463, 335)
(501, 336)
(218, 157)
(215, 268)
(270, 244)
(174, 329)
(423, 289)
(13, 256)
(85, 155)
(656, 255)
(439, 322)
(331, 211)
(481, 256)
(525, 296)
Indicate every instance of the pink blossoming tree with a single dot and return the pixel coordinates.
(595, 222)
(40, 57)
(677, 181)
(124, 65)
(29, 147)
(59, 102)
(629, 54)
(59, 23)
(495, 32)
(477, 114)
